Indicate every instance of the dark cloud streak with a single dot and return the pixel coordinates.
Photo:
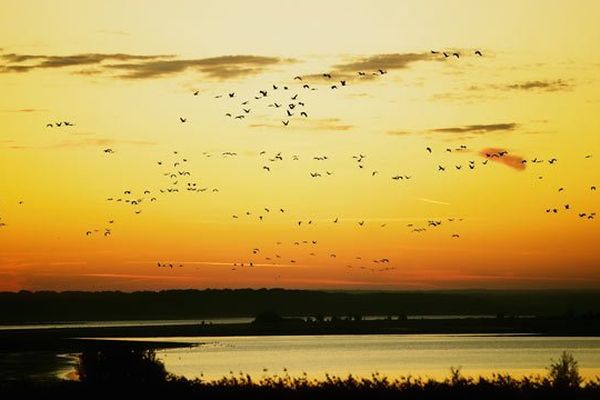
(479, 128)
(132, 66)
(224, 67)
(550, 86)
(384, 61)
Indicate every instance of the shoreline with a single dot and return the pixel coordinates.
(72, 339)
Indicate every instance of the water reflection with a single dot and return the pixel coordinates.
(391, 355)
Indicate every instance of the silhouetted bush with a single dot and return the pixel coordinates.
(121, 366)
(564, 373)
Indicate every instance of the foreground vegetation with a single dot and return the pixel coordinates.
(139, 373)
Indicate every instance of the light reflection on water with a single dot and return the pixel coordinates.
(218, 321)
(134, 323)
(390, 355)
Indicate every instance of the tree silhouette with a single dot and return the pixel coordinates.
(564, 373)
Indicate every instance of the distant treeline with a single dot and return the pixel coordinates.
(24, 306)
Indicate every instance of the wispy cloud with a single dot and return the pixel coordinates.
(85, 142)
(369, 65)
(224, 67)
(434, 201)
(139, 277)
(27, 62)
(394, 132)
(545, 85)
(24, 110)
(511, 160)
(113, 32)
(386, 62)
(134, 66)
(479, 128)
(323, 124)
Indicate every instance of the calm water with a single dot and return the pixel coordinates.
(107, 324)
(238, 320)
(361, 355)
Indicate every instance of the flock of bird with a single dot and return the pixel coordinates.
(289, 101)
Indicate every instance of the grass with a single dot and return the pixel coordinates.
(139, 373)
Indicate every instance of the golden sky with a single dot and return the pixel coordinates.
(125, 73)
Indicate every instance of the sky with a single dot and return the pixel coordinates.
(422, 172)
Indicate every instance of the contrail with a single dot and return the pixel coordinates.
(434, 201)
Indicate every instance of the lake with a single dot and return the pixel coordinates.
(362, 355)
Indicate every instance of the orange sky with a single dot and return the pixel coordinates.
(125, 74)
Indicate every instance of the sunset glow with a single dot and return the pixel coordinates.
(436, 173)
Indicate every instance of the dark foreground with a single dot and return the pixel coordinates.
(131, 372)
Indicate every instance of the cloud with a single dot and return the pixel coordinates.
(550, 86)
(85, 142)
(511, 160)
(369, 65)
(348, 70)
(24, 110)
(397, 133)
(45, 61)
(113, 32)
(479, 128)
(224, 67)
(133, 66)
(323, 124)
(384, 61)
(434, 201)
